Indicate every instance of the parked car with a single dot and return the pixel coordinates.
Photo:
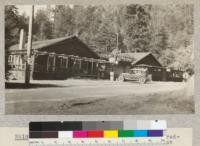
(136, 74)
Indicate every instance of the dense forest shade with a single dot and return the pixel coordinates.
(165, 30)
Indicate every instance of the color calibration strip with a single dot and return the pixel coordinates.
(96, 129)
(172, 137)
(97, 134)
(97, 125)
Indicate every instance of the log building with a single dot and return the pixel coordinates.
(66, 57)
(55, 59)
(126, 61)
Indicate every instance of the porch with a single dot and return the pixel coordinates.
(49, 65)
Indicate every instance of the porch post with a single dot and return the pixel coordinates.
(54, 62)
(17, 60)
(21, 62)
(48, 57)
(92, 67)
(67, 62)
(80, 63)
(61, 61)
(87, 65)
(14, 59)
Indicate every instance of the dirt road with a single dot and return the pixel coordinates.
(100, 97)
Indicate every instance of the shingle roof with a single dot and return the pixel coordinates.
(66, 45)
(133, 57)
(42, 44)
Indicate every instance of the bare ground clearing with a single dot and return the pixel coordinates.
(101, 97)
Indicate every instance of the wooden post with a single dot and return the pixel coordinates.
(48, 59)
(54, 62)
(80, 63)
(59, 61)
(67, 62)
(29, 47)
(92, 67)
(87, 65)
(14, 59)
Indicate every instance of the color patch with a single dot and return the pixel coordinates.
(140, 133)
(155, 133)
(158, 124)
(110, 134)
(125, 133)
(79, 134)
(95, 133)
(50, 134)
(143, 124)
(55, 126)
(35, 134)
(65, 134)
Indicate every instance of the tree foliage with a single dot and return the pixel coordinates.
(136, 26)
(165, 30)
(13, 23)
(63, 21)
(43, 27)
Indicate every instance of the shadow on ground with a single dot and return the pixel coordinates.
(157, 103)
(31, 85)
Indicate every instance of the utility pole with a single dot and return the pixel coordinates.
(29, 47)
(117, 41)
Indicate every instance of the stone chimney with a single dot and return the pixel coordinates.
(22, 39)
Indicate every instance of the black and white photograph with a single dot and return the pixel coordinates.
(99, 59)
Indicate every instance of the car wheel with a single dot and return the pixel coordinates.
(142, 80)
(121, 78)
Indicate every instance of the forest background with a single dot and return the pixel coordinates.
(167, 31)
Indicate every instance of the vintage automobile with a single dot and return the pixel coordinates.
(136, 74)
